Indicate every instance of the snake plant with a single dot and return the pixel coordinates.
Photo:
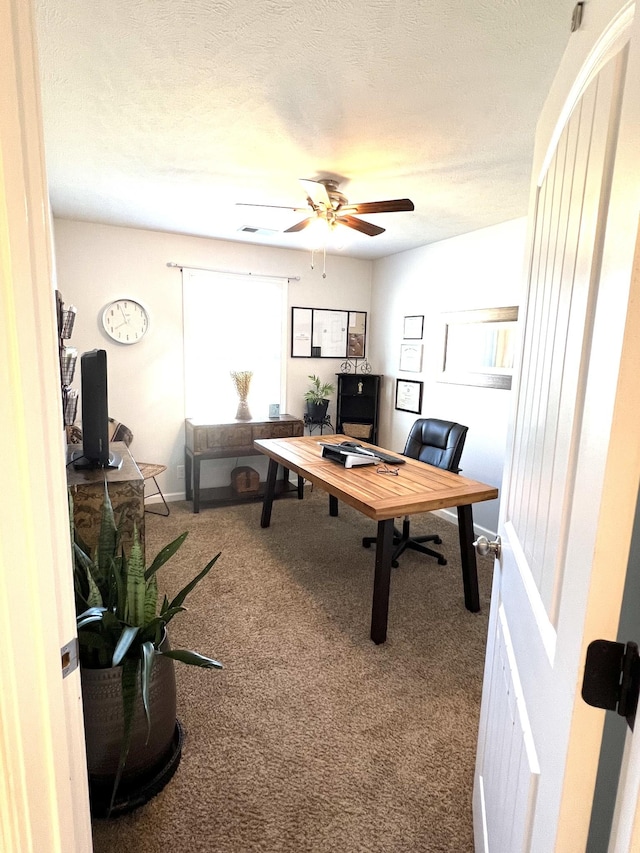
(118, 619)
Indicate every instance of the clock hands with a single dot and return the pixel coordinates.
(126, 321)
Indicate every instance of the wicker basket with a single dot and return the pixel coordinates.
(245, 480)
(357, 430)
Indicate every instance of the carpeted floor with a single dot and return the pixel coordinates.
(313, 739)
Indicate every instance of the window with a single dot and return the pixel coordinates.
(233, 323)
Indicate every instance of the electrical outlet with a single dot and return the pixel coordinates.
(180, 472)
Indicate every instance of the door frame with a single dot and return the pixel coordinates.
(44, 802)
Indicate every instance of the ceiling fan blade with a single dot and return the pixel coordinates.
(316, 192)
(391, 206)
(300, 225)
(275, 206)
(360, 225)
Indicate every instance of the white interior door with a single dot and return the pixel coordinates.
(573, 467)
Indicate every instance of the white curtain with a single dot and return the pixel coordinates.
(233, 323)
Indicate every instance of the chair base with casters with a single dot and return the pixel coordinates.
(434, 442)
(150, 471)
(403, 541)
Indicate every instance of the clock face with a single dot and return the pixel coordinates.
(125, 321)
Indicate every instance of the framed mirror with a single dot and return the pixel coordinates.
(479, 347)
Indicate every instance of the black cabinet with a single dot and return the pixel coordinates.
(357, 405)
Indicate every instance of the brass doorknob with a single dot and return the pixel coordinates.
(487, 549)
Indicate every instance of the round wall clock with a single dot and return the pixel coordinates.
(125, 321)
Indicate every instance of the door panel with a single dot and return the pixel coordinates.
(548, 416)
(508, 789)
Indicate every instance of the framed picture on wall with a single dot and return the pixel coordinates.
(413, 327)
(411, 358)
(479, 347)
(409, 396)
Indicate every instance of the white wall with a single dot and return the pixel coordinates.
(482, 269)
(98, 263)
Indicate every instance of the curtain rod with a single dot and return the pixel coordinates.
(231, 272)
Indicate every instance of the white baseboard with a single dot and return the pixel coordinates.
(173, 496)
(446, 514)
(452, 516)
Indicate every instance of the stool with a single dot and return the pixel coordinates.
(150, 471)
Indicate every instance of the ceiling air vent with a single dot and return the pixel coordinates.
(252, 229)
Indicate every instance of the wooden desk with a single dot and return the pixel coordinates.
(225, 440)
(126, 491)
(417, 488)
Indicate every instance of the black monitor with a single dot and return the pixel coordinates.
(95, 414)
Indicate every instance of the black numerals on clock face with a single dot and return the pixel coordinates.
(125, 321)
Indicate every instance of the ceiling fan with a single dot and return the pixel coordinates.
(329, 204)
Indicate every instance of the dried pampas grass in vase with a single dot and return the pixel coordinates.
(242, 381)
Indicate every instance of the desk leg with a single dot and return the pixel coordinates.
(468, 559)
(196, 484)
(300, 487)
(333, 506)
(382, 581)
(187, 477)
(269, 492)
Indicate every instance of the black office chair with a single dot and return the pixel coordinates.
(437, 443)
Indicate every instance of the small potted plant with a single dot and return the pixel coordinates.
(317, 399)
(133, 739)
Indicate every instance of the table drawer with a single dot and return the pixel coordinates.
(277, 430)
(228, 436)
(218, 437)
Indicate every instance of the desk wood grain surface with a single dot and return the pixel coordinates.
(417, 488)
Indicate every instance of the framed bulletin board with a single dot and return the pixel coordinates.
(328, 333)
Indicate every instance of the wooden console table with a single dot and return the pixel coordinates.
(226, 440)
(126, 491)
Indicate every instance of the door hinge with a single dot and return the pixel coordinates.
(612, 678)
(69, 657)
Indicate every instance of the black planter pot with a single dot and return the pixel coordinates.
(151, 762)
(317, 412)
(137, 790)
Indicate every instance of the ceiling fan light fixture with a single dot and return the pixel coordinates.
(338, 238)
(329, 207)
(318, 233)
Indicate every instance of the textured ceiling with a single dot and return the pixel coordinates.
(162, 114)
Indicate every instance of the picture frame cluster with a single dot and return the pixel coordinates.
(408, 391)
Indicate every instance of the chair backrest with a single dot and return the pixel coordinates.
(119, 432)
(436, 442)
